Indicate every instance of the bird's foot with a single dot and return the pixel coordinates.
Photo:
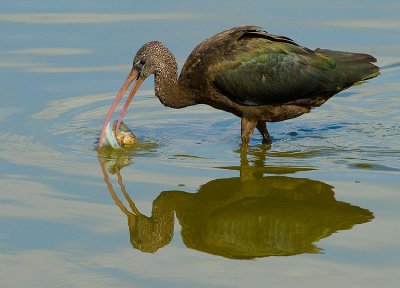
(267, 141)
(247, 129)
(262, 128)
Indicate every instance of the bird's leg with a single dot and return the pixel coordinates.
(247, 130)
(262, 128)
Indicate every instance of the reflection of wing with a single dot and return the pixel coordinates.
(265, 217)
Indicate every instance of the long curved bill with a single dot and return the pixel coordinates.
(128, 81)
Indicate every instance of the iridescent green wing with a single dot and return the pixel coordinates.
(261, 68)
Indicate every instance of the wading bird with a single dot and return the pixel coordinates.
(257, 76)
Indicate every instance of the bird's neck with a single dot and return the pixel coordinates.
(168, 89)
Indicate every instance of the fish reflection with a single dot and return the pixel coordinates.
(243, 217)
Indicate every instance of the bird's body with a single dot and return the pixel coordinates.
(257, 76)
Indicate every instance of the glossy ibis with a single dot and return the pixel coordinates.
(257, 76)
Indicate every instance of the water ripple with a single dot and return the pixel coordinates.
(91, 18)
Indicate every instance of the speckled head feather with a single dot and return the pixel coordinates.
(154, 58)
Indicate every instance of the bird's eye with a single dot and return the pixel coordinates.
(139, 63)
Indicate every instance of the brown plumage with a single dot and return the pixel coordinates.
(257, 76)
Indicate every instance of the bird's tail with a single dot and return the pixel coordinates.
(352, 67)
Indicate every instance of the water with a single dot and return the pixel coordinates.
(320, 207)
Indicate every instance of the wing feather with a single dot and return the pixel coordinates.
(271, 69)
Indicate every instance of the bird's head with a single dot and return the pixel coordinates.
(152, 58)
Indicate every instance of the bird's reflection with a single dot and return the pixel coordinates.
(242, 217)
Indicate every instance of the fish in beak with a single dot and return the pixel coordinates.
(133, 76)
